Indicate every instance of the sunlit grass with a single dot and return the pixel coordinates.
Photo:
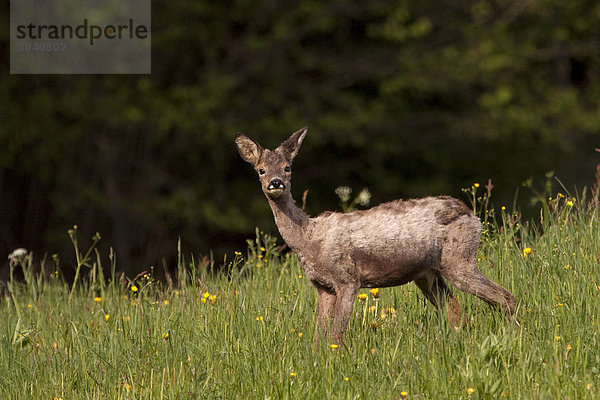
(247, 331)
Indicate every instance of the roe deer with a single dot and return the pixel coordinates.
(421, 240)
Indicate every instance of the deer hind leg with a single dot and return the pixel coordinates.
(472, 280)
(458, 266)
(437, 292)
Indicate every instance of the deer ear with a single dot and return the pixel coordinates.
(292, 144)
(248, 148)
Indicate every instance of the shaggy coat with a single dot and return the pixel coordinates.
(421, 240)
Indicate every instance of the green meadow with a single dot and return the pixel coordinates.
(246, 330)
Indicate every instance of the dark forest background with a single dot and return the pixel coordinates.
(407, 98)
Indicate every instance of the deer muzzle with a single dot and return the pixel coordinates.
(276, 187)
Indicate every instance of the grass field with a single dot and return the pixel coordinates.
(248, 332)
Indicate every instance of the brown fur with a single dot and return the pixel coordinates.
(421, 240)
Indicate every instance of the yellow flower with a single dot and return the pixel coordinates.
(166, 302)
(362, 296)
(503, 208)
(237, 253)
(383, 315)
(470, 391)
(570, 203)
(373, 309)
(403, 394)
(206, 295)
(557, 338)
(203, 300)
(28, 305)
(476, 185)
(375, 292)
(293, 375)
(127, 386)
(98, 299)
(134, 288)
(165, 336)
(300, 335)
(213, 298)
(526, 251)
(347, 378)
(567, 267)
(106, 317)
(259, 318)
(560, 194)
(392, 310)
(262, 248)
(333, 346)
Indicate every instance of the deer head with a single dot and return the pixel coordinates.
(274, 167)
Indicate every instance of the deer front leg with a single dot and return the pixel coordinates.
(326, 303)
(343, 309)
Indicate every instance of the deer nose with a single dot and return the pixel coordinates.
(276, 184)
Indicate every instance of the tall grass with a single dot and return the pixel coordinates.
(247, 331)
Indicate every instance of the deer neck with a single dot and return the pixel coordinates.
(291, 221)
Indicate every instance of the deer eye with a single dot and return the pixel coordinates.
(261, 171)
(287, 169)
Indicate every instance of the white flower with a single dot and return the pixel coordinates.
(364, 197)
(343, 193)
(17, 253)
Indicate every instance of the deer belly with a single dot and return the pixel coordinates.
(391, 271)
